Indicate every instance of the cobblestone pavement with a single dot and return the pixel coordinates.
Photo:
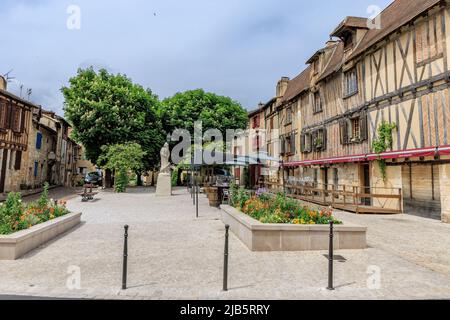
(172, 255)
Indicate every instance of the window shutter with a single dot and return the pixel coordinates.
(302, 143)
(344, 132)
(309, 137)
(293, 151)
(22, 121)
(3, 115)
(325, 138)
(363, 127)
(282, 145)
(314, 136)
(349, 131)
(8, 115)
(38, 141)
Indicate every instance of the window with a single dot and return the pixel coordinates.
(351, 82)
(18, 161)
(288, 116)
(319, 140)
(353, 130)
(256, 122)
(348, 41)
(38, 141)
(356, 133)
(317, 106)
(306, 142)
(315, 66)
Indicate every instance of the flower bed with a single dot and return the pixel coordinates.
(15, 216)
(278, 209)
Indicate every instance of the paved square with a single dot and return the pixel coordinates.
(172, 255)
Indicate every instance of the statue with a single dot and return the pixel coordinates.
(164, 183)
(165, 154)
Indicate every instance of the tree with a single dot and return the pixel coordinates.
(106, 109)
(122, 158)
(216, 112)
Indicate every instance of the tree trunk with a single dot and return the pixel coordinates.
(139, 179)
(107, 183)
(153, 179)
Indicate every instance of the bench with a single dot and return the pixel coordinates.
(87, 195)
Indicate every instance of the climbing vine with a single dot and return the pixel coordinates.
(383, 143)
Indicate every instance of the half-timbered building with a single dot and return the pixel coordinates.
(365, 126)
(15, 119)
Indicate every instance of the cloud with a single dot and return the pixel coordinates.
(235, 48)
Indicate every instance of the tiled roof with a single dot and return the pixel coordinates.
(351, 22)
(399, 13)
(335, 62)
(298, 84)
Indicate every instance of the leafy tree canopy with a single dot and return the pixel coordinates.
(122, 158)
(216, 112)
(106, 109)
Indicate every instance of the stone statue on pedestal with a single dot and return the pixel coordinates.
(164, 183)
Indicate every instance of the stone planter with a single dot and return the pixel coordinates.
(259, 236)
(15, 245)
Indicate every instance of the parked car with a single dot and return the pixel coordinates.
(223, 177)
(94, 178)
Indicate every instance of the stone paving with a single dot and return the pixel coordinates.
(172, 255)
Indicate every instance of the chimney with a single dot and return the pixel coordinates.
(3, 83)
(330, 43)
(282, 86)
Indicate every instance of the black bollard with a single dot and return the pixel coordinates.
(196, 201)
(125, 259)
(330, 259)
(194, 185)
(225, 260)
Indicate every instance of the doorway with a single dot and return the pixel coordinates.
(3, 170)
(366, 184)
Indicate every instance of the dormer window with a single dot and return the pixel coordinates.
(316, 66)
(348, 41)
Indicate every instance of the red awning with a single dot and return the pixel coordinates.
(413, 153)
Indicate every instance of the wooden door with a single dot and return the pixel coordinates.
(3, 170)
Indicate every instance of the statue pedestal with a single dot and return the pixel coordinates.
(164, 185)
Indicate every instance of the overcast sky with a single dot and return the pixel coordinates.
(238, 48)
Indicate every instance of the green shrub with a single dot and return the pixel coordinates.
(279, 209)
(10, 212)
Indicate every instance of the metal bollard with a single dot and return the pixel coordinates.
(330, 259)
(225, 260)
(196, 201)
(125, 259)
(194, 185)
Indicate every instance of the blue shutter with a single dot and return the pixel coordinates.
(35, 169)
(38, 141)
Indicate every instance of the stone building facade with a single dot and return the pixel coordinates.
(35, 147)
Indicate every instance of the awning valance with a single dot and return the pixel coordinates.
(413, 153)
